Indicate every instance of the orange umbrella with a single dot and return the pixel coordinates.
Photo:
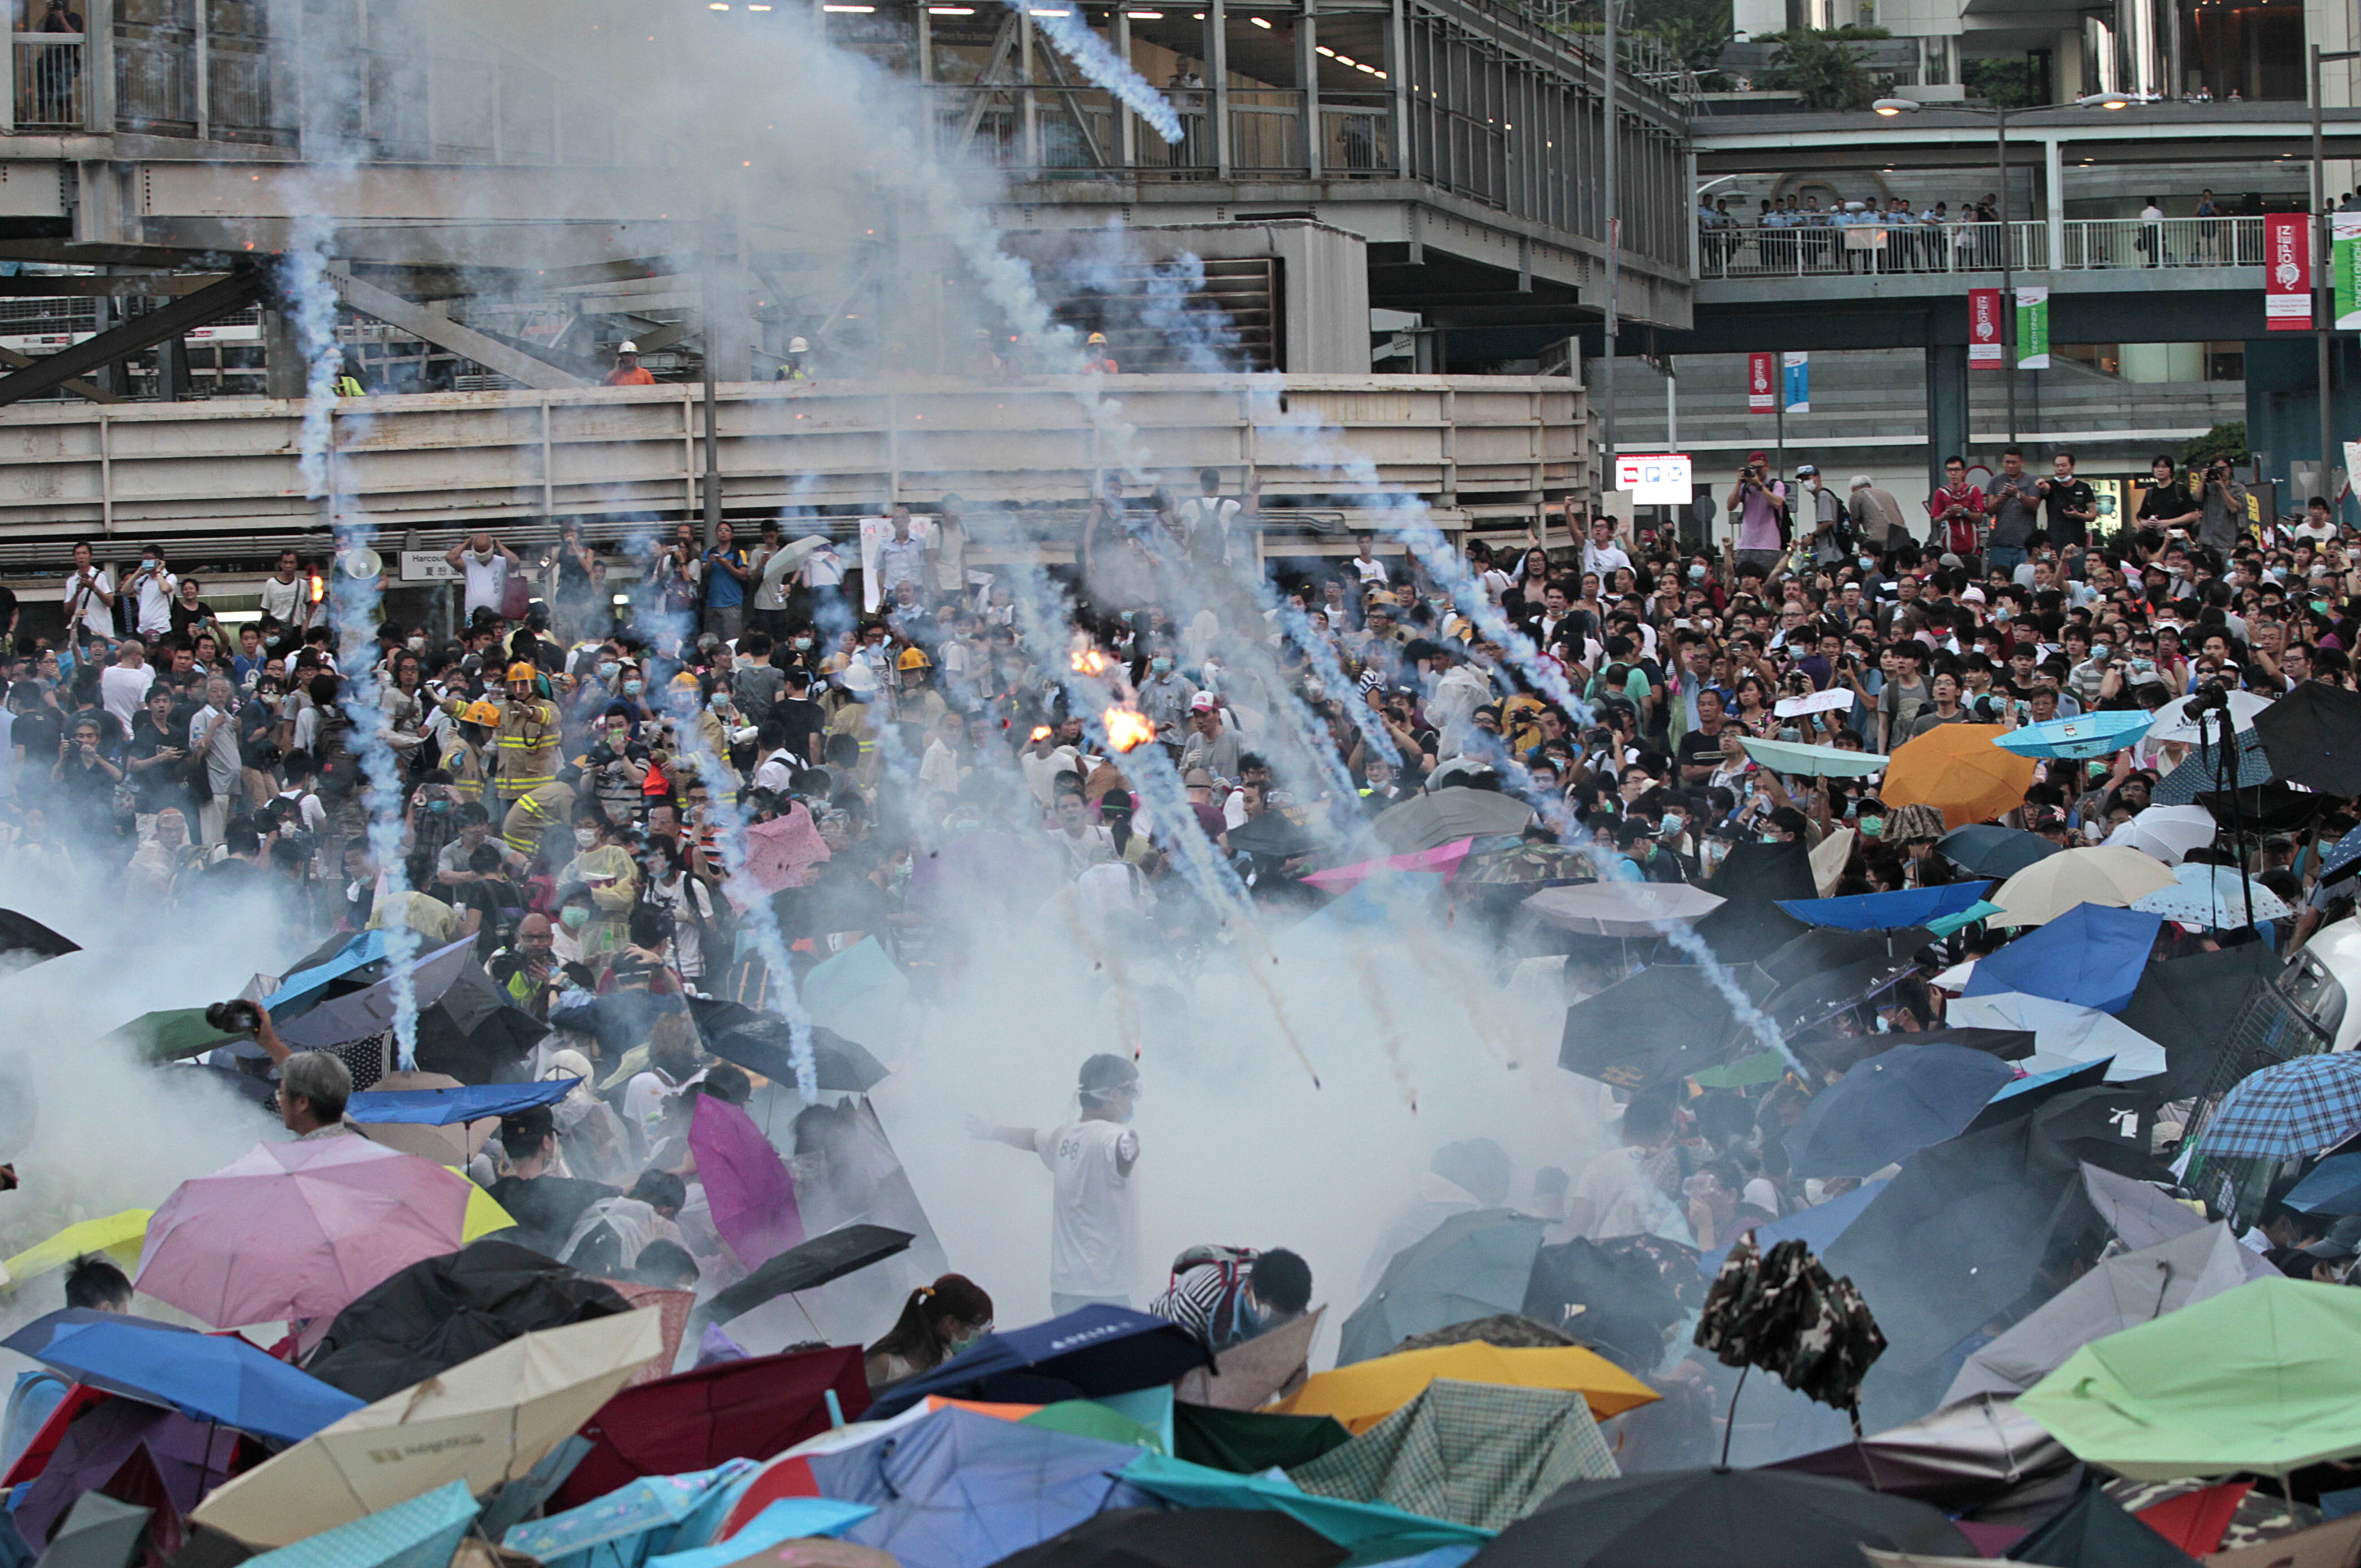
(1957, 770)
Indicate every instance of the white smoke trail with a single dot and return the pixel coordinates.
(1090, 54)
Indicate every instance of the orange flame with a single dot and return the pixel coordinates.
(1128, 728)
(1091, 661)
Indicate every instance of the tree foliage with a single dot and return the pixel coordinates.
(1826, 70)
(2012, 83)
(2222, 441)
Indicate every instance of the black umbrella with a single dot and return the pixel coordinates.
(1272, 836)
(1838, 1054)
(763, 1043)
(2025, 1101)
(1820, 997)
(1613, 1295)
(2094, 1532)
(436, 1313)
(100, 1532)
(1827, 947)
(2191, 1006)
(2105, 1125)
(2313, 737)
(474, 1033)
(2272, 807)
(25, 941)
(1192, 1538)
(1471, 1266)
(1755, 879)
(807, 1265)
(1782, 1311)
(1716, 1518)
(1665, 1021)
(620, 1020)
(1988, 849)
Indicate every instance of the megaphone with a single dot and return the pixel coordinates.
(363, 562)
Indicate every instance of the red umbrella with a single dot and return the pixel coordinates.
(738, 1410)
(780, 851)
(746, 1182)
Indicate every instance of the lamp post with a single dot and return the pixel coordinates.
(2323, 301)
(1890, 107)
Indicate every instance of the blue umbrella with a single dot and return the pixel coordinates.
(2295, 1107)
(2199, 773)
(1988, 849)
(2091, 956)
(305, 983)
(2331, 1186)
(443, 1107)
(2084, 735)
(1088, 1352)
(207, 1377)
(1891, 1105)
(420, 1533)
(1816, 1228)
(2342, 857)
(1886, 911)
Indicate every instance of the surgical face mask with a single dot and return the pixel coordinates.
(607, 669)
(1162, 666)
(438, 808)
(573, 917)
(2100, 651)
(1696, 573)
(416, 644)
(1870, 827)
(586, 838)
(483, 557)
(802, 644)
(633, 688)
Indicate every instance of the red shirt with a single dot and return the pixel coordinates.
(1959, 532)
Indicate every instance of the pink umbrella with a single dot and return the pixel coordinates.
(1444, 858)
(746, 1183)
(778, 853)
(288, 1232)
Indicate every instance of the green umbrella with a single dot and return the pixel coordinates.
(2255, 1379)
(172, 1034)
(1746, 1072)
(1814, 762)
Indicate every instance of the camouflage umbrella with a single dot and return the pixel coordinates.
(1781, 1312)
(1531, 863)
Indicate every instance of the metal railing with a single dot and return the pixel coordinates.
(52, 88)
(2086, 245)
(1077, 133)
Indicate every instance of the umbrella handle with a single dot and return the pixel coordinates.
(1729, 1417)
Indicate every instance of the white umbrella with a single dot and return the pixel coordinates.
(2211, 896)
(2165, 833)
(2105, 874)
(2064, 1035)
(2174, 721)
(1623, 909)
(789, 556)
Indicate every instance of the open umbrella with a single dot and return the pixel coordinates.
(2331, 1186)
(170, 1034)
(2194, 1006)
(1817, 998)
(2096, 734)
(764, 1043)
(2089, 954)
(369, 1010)
(1373, 1532)
(2064, 1034)
(1248, 1375)
(207, 1377)
(1084, 1353)
(119, 1235)
(1956, 769)
(1713, 1518)
(1469, 1266)
(99, 1532)
(1476, 1454)
(1887, 911)
(1528, 862)
(1814, 762)
(2253, 1379)
(642, 1518)
(2214, 898)
(790, 555)
(2167, 833)
(782, 851)
(465, 1103)
(485, 1421)
(1436, 817)
(420, 1533)
(1783, 1313)
(2099, 875)
(1151, 1538)
(2094, 1532)
(2201, 771)
(1662, 1023)
(1817, 1227)
(299, 1230)
(1362, 1395)
(2295, 1107)
(1891, 1106)
(807, 1265)
(747, 1189)
(25, 941)
(1273, 836)
(2174, 721)
(1621, 908)
(1987, 850)
(1447, 858)
(2313, 737)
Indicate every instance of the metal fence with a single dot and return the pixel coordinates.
(53, 89)
(2086, 245)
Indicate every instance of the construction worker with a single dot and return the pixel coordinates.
(796, 366)
(628, 370)
(534, 813)
(529, 736)
(1096, 361)
(349, 382)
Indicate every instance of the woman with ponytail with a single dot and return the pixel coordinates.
(938, 1321)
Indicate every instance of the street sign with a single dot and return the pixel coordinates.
(1660, 480)
(426, 566)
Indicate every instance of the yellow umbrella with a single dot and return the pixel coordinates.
(484, 1421)
(484, 1214)
(1956, 769)
(1362, 1395)
(118, 1235)
(2097, 873)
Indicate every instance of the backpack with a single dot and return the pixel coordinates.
(1234, 1263)
(336, 768)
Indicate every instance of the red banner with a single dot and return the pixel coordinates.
(1762, 377)
(1983, 329)
(2286, 272)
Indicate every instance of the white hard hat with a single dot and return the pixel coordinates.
(798, 346)
(627, 348)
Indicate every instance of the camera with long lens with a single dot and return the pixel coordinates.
(235, 1017)
(2210, 697)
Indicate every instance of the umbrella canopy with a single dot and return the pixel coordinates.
(2064, 1035)
(2167, 833)
(1469, 1267)
(1621, 908)
(207, 1377)
(2296, 1107)
(1712, 1518)
(1820, 997)
(1374, 1532)
(312, 975)
(1151, 1538)
(1248, 1375)
(299, 1230)
(746, 1184)
(1816, 1227)
(420, 1533)
(1987, 850)
(2256, 1378)
(99, 1532)
(170, 1034)
(1524, 864)
(2091, 954)
(1783, 1313)
(848, 1249)
(2094, 1532)
(2100, 874)
(2128, 1289)
(644, 1516)
(2098, 734)
(2193, 1005)
(1956, 769)
(1814, 762)
(25, 941)
(369, 1010)
(1887, 911)
(118, 1235)
(1273, 836)
(1891, 1106)
(1476, 1454)
(1438, 816)
(782, 851)
(442, 1311)
(1362, 1395)
(2213, 897)
(1084, 1353)
(2313, 737)
(1662, 1023)
(2201, 771)
(2331, 1186)
(790, 555)
(1618, 1288)
(764, 1043)
(465, 1103)
(157, 1458)
(1445, 858)
(485, 1421)
(2174, 721)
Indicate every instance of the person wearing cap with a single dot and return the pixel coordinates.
(797, 364)
(1878, 522)
(528, 738)
(1094, 1205)
(1096, 361)
(1212, 745)
(1760, 502)
(1830, 521)
(628, 370)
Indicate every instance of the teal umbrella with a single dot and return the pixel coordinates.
(1471, 1266)
(1373, 1531)
(1814, 762)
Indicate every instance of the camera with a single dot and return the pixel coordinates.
(599, 755)
(236, 1018)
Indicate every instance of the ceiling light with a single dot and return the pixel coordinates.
(950, 10)
(1344, 60)
(1324, 49)
(1144, 16)
(1258, 21)
(853, 10)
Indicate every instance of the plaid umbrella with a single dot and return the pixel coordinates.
(1476, 1454)
(2297, 1107)
(2199, 774)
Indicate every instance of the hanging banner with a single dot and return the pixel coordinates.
(1757, 384)
(1796, 377)
(2286, 272)
(2344, 240)
(1983, 329)
(2033, 329)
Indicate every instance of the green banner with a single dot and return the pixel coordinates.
(2033, 329)
(2344, 237)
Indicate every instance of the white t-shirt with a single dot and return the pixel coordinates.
(487, 580)
(1604, 559)
(1624, 1200)
(121, 690)
(1094, 1210)
(97, 616)
(283, 602)
(155, 591)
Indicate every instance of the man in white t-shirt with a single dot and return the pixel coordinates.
(122, 685)
(1616, 1194)
(1601, 554)
(89, 596)
(152, 588)
(1094, 1213)
(486, 563)
(286, 597)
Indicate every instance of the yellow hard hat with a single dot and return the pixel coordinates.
(1096, 337)
(912, 659)
(685, 682)
(479, 713)
(521, 670)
